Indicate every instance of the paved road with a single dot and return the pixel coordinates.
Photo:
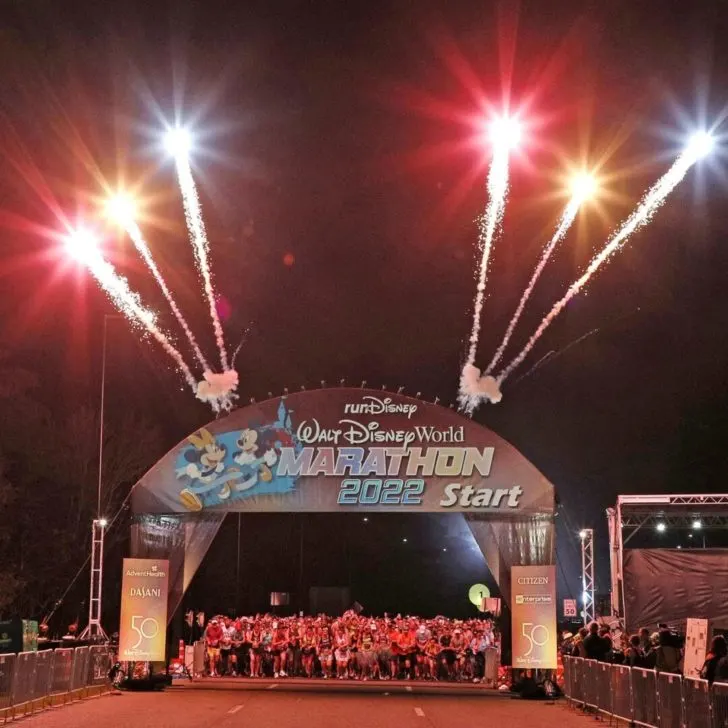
(284, 708)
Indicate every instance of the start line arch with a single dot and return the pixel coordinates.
(343, 450)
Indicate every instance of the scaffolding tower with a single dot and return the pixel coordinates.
(694, 512)
(587, 574)
(94, 631)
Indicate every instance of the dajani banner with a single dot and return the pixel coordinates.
(341, 450)
(533, 623)
(143, 629)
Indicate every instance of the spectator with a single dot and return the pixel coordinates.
(715, 666)
(606, 634)
(567, 643)
(635, 655)
(675, 639)
(667, 656)
(595, 646)
(645, 640)
(578, 649)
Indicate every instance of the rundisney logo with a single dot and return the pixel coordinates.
(374, 406)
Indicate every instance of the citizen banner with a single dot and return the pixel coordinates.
(143, 624)
(533, 608)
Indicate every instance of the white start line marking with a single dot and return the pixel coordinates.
(272, 687)
(235, 709)
(420, 712)
(408, 688)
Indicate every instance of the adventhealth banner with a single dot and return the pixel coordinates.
(143, 629)
(533, 621)
(344, 450)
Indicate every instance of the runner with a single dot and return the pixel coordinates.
(407, 649)
(359, 647)
(458, 645)
(423, 635)
(366, 656)
(256, 650)
(433, 657)
(308, 650)
(279, 649)
(213, 636)
(226, 646)
(325, 653)
(341, 650)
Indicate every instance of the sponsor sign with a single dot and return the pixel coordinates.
(533, 609)
(343, 450)
(697, 640)
(143, 628)
(570, 608)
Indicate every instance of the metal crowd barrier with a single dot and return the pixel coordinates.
(62, 667)
(705, 706)
(36, 677)
(568, 679)
(79, 670)
(577, 680)
(645, 697)
(199, 658)
(604, 688)
(492, 662)
(591, 688)
(23, 686)
(669, 700)
(99, 664)
(7, 668)
(620, 683)
(43, 673)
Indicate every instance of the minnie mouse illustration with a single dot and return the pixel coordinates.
(206, 470)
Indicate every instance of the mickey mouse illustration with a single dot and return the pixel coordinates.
(253, 467)
(205, 466)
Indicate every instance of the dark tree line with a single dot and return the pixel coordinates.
(48, 490)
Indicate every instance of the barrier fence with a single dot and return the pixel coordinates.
(27, 678)
(645, 697)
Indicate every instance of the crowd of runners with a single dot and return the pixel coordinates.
(350, 647)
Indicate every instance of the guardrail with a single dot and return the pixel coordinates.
(31, 681)
(645, 697)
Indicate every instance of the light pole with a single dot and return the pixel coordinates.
(94, 630)
(101, 417)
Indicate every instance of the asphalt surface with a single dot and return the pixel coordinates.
(287, 706)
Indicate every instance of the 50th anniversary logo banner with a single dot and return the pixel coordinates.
(533, 608)
(143, 630)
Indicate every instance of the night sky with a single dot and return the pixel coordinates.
(341, 178)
